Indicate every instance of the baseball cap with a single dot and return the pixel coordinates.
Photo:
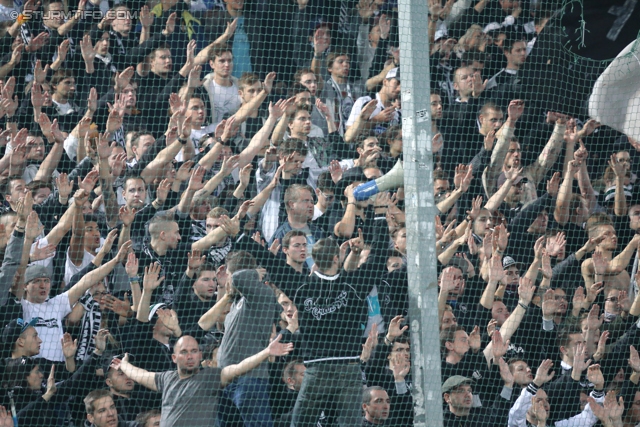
(154, 308)
(15, 328)
(393, 73)
(36, 272)
(455, 382)
(508, 261)
(502, 179)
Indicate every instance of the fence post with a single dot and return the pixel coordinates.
(420, 212)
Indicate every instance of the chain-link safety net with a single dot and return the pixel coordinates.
(203, 213)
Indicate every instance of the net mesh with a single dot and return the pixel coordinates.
(203, 219)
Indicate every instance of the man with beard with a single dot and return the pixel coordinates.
(385, 114)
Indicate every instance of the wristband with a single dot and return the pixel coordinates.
(135, 279)
(182, 141)
(523, 306)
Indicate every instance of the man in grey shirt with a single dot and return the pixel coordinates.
(248, 328)
(190, 394)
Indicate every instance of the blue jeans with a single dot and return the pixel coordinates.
(341, 383)
(251, 398)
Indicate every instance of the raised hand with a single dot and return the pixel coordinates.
(400, 367)
(64, 186)
(194, 77)
(162, 192)
(100, 340)
(580, 361)
(549, 305)
(51, 384)
(89, 182)
(394, 330)
(276, 348)
(580, 299)
(600, 264)
(171, 25)
(594, 375)
(556, 244)
(474, 339)
(151, 280)
(634, 359)
(195, 183)
(526, 289)
(546, 270)
(619, 168)
(496, 271)
(195, 260)
(370, 343)
(146, 17)
(499, 347)
(131, 267)
(268, 82)
(275, 247)
(553, 185)
(505, 373)
(124, 250)
(542, 373)
(108, 242)
(515, 109)
(122, 79)
(169, 319)
(127, 215)
(69, 346)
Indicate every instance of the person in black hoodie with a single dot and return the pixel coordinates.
(332, 312)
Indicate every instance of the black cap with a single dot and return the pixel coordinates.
(14, 329)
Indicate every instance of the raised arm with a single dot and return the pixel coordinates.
(150, 283)
(261, 138)
(76, 246)
(619, 169)
(203, 56)
(55, 137)
(361, 121)
(232, 372)
(549, 153)
(562, 211)
(228, 165)
(491, 173)
(141, 376)
(108, 195)
(96, 275)
(252, 106)
(208, 320)
(67, 26)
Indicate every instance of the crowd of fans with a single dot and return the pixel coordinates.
(182, 246)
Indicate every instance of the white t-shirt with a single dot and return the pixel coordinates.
(50, 315)
(70, 268)
(64, 109)
(196, 135)
(226, 101)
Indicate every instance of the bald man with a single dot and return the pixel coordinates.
(190, 394)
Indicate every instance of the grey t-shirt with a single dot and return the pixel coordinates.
(191, 402)
(249, 322)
